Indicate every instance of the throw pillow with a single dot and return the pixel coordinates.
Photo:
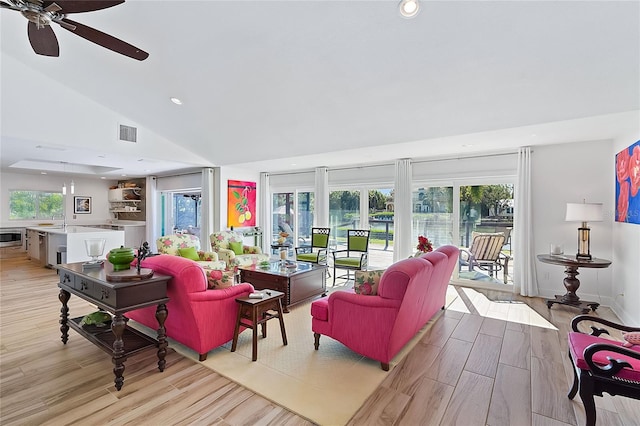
(366, 282)
(631, 338)
(189, 253)
(236, 246)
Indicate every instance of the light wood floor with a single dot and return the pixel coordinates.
(488, 360)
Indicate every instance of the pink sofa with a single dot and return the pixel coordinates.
(378, 326)
(199, 318)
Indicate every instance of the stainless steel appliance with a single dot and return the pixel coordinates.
(10, 237)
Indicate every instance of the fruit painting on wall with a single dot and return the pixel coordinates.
(241, 203)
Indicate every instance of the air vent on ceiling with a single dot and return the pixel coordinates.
(128, 133)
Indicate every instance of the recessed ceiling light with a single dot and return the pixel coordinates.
(176, 101)
(123, 175)
(102, 177)
(467, 145)
(147, 170)
(409, 8)
(43, 173)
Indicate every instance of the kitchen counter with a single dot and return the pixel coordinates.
(69, 229)
(72, 238)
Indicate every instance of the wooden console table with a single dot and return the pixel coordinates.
(571, 283)
(117, 298)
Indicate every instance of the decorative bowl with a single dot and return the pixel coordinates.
(121, 258)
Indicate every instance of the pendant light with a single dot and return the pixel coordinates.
(64, 189)
(72, 187)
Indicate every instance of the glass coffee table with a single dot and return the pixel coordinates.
(301, 281)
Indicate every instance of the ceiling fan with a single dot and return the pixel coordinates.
(42, 13)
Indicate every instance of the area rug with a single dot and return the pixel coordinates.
(326, 386)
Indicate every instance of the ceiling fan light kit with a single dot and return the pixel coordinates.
(41, 13)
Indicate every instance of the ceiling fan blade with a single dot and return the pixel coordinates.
(105, 40)
(43, 40)
(72, 6)
(9, 6)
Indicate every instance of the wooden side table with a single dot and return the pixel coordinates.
(254, 312)
(571, 283)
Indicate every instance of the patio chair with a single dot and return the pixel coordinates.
(486, 254)
(602, 364)
(355, 257)
(317, 251)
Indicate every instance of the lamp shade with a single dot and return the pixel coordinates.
(584, 212)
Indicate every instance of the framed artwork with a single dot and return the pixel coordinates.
(82, 205)
(628, 184)
(241, 203)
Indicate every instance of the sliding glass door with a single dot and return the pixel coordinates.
(433, 215)
(344, 214)
(181, 212)
(292, 214)
(456, 213)
(486, 214)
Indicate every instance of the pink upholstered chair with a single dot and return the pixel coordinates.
(602, 365)
(378, 326)
(199, 318)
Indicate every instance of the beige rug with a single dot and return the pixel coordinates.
(326, 386)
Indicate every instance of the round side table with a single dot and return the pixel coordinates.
(571, 283)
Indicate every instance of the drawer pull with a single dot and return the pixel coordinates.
(84, 285)
(104, 295)
(66, 279)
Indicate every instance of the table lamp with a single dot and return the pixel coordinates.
(584, 212)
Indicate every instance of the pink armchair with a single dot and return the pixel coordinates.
(199, 318)
(378, 326)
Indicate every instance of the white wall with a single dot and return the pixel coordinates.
(626, 255)
(94, 188)
(570, 173)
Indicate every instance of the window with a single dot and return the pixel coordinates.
(35, 205)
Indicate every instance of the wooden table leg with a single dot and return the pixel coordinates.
(281, 319)
(161, 316)
(64, 296)
(254, 322)
(234, 344)
(117, 327)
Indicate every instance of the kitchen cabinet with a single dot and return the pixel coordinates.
(33, 246)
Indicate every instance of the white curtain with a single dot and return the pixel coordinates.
(206, 208)
(402, 239)
(321, 212)
(265, 211)
(524, 271)
(152, 212)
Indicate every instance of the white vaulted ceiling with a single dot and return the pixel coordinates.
(266, 84)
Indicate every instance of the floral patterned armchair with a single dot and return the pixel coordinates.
(172, 244)
(218, 276)
(224, 242)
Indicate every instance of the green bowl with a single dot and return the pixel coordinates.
(121, 258)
